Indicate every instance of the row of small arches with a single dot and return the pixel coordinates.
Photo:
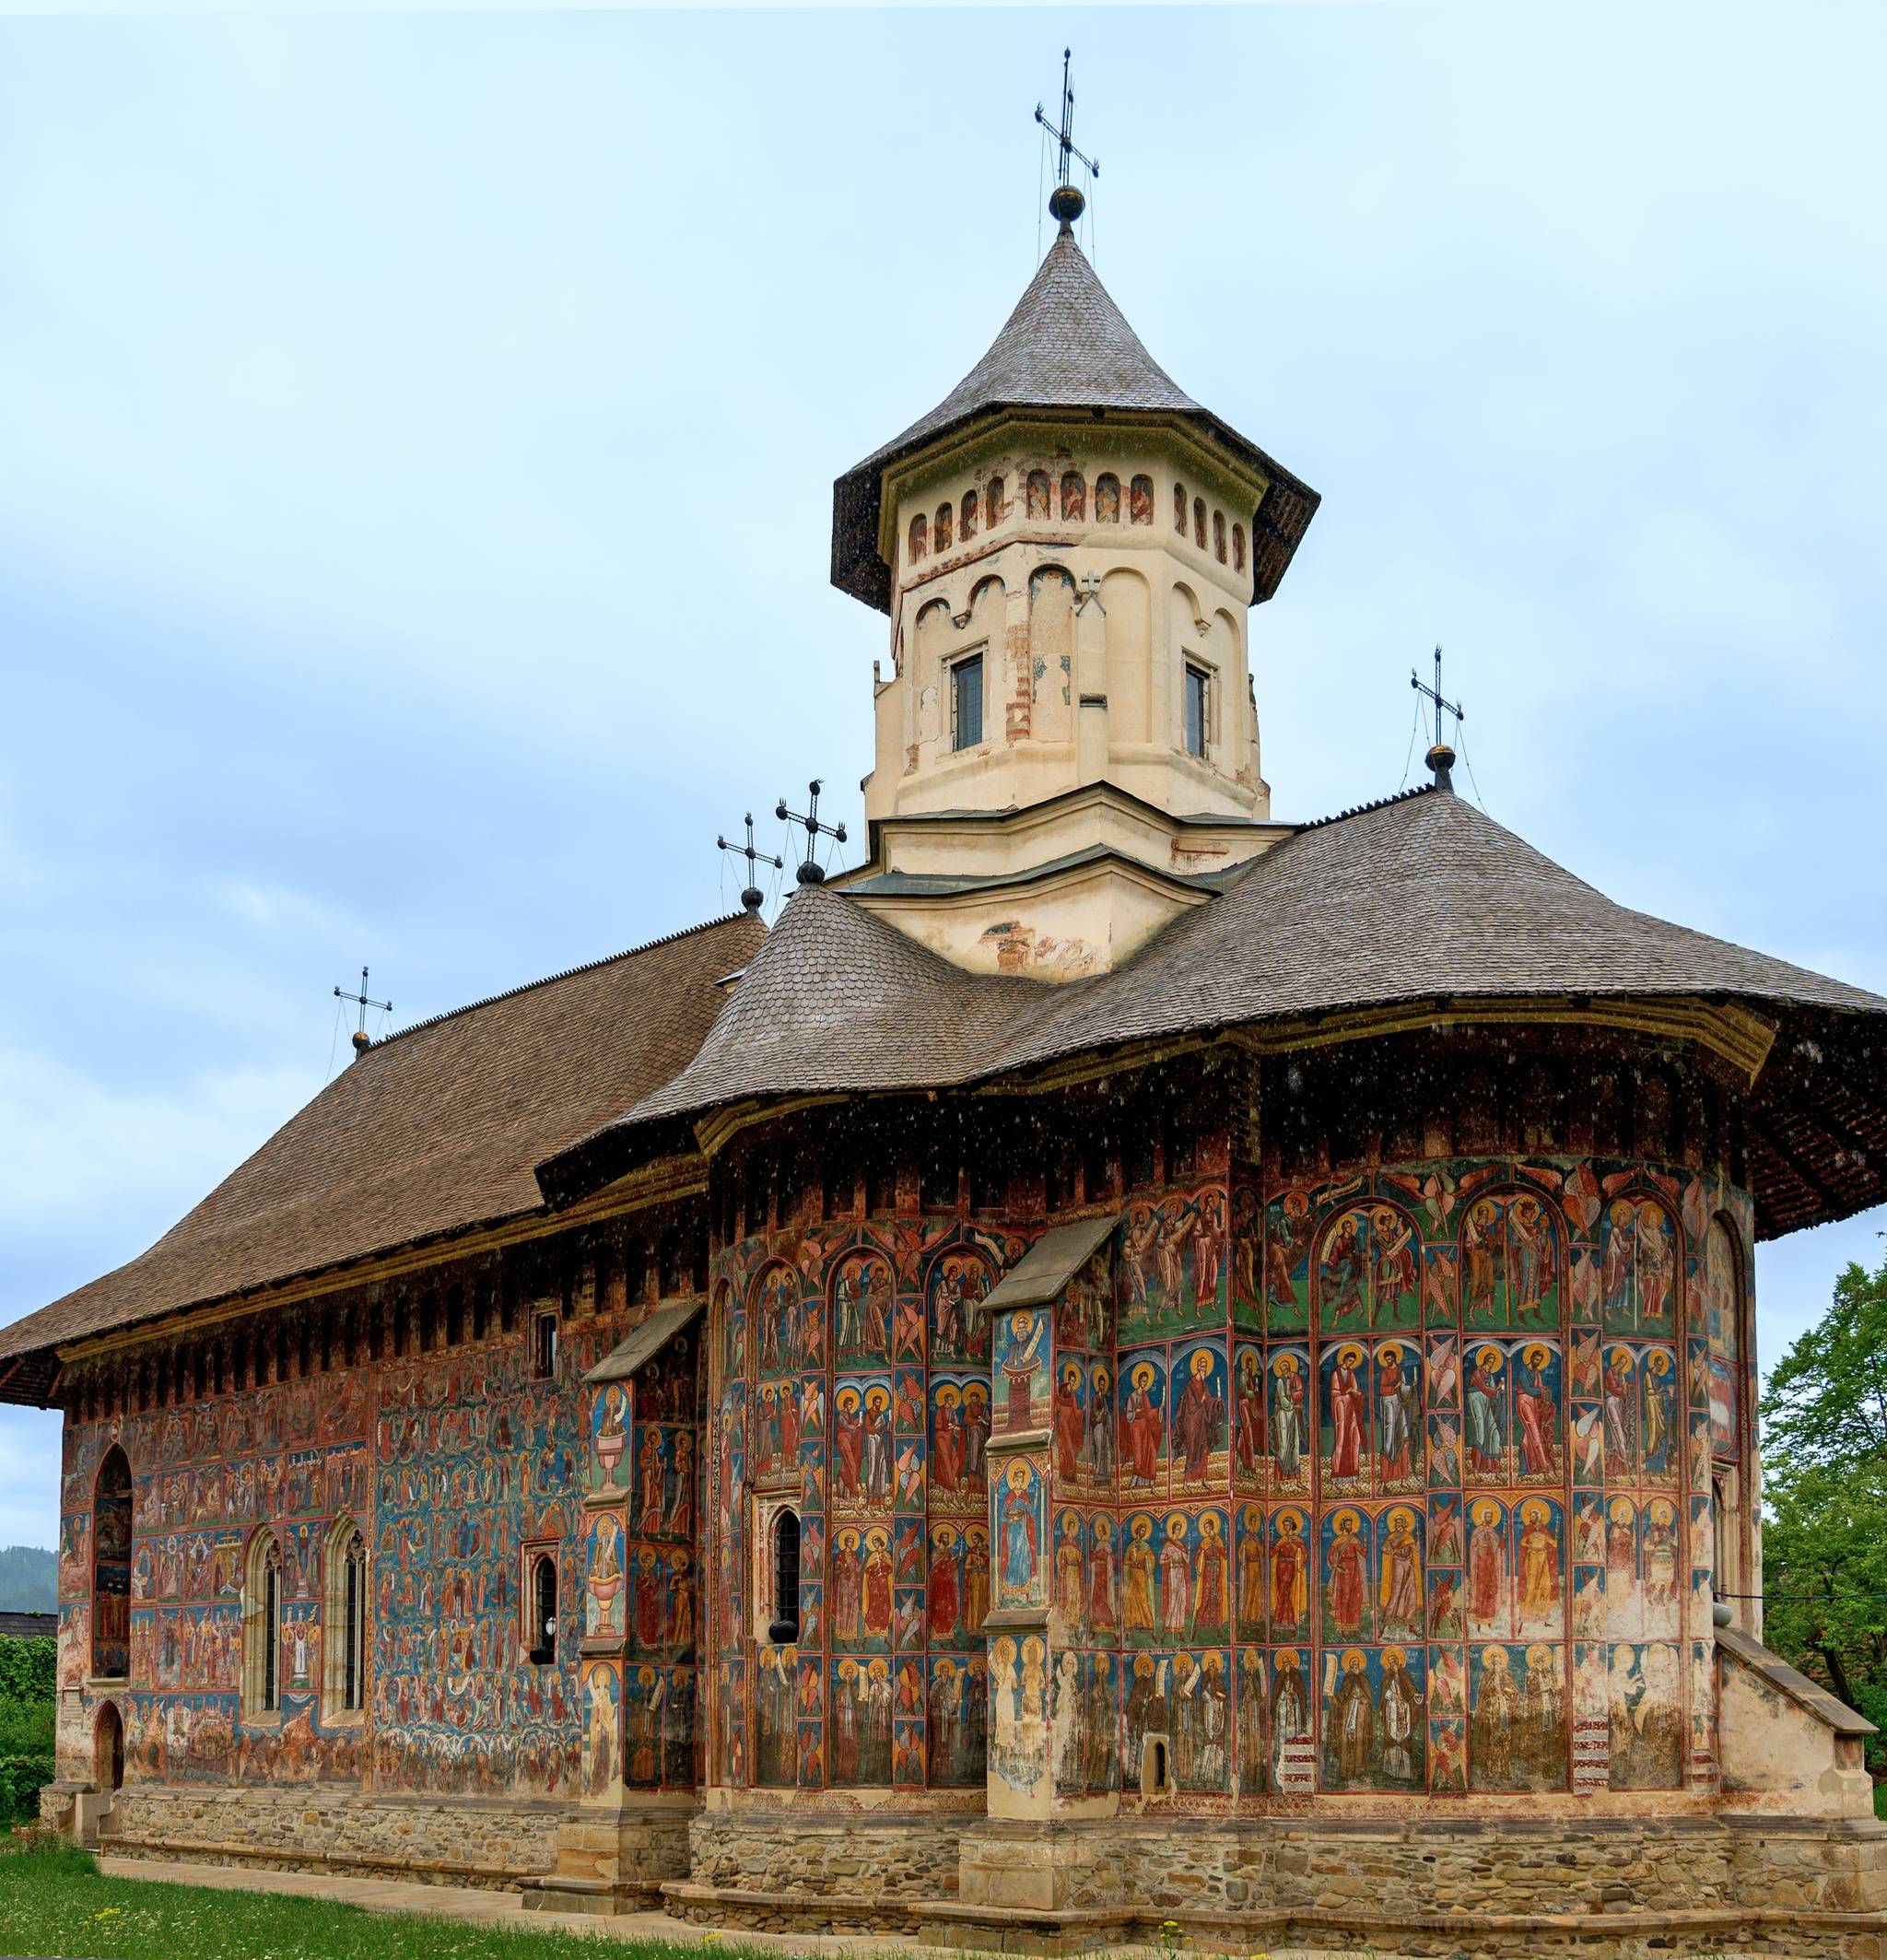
(956, 523)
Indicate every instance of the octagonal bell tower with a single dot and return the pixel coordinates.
(1068, 548)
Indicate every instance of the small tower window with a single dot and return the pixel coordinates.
(785, 1629)
(1179, 508)
(966, 703)
(1140, 500)
(543, 1347)
(543, 1609)
(995, 503)
(966, 517)
(942, 538)
(1198, 522)
(1073, 497)
(1197, 706)
(1219, 535)
(1108, 500)
(920, 535)
(1039, 493)
(1237, 547)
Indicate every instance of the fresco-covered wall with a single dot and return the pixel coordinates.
(1385, 1480)
(424, 1420)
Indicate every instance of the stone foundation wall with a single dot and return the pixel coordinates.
(912, 1856)
(1514, 1866)
(468, 1841)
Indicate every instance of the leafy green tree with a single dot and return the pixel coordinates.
(1824, 1534)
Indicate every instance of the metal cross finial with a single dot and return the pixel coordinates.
(809, 872)
(361, 1044)
(753, 897)
(1066, 203)
(1441, 758)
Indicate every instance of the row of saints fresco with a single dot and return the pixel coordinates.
(1403, 1484)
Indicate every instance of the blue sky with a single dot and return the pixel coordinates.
(418, 431)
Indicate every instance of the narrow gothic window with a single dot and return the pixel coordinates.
(262, 1625)
(1198, 522)
(785, 1629)
(966, 703)
(543, 1347)
(1219, 535)
(1179, 508)
(1237, 547)
(920, 535)
(995, 504)
(966, 517)
(343, 1621)
(1196, 709)
(940, 537)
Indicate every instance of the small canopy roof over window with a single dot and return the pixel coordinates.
(646, 1342)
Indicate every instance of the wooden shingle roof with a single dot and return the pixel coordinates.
(434, 1130)
(1066, 347)
(1424, 898)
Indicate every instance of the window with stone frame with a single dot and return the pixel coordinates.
(261, 1628)
(540, 1601)
(343, 1623)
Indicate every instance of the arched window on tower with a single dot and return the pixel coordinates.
(1179, 508)
(1108, 498)
(940, 537)
(1039, 493)
(344, 1623)
(1140, 500)
(1198, 522)
(1219, 535)
(111, 1568)
(966, 517)
(920, 536)
(995, 503)
(261, 1626)
(1237, 547)
(1073, 497)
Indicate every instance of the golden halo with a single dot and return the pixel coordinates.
(1352, 1662)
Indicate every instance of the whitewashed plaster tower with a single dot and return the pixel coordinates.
(1068, 548)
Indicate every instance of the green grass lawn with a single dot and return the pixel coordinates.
(52, 1901)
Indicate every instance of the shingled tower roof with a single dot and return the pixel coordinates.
(1066, 347)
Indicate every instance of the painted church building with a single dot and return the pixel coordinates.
(1129, 1360)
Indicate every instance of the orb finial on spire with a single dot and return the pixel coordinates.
(1066, 201)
